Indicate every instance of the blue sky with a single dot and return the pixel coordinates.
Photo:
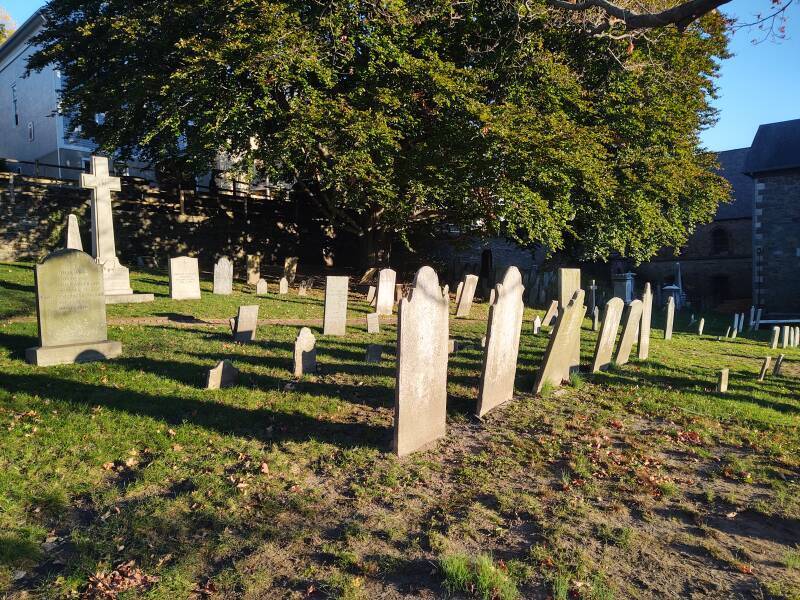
(760, 84)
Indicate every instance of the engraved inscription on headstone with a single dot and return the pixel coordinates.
(184, 278)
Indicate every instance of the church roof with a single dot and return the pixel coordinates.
(775, 147)
(731, 167)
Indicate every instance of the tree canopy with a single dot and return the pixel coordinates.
(498, 116)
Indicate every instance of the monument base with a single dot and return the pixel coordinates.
(45, 356)
(129, 298)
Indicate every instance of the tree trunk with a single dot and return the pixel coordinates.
(376, 244)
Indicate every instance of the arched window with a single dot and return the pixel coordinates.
(720, 242)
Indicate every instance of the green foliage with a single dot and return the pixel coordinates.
(477, 576)
(398, 114)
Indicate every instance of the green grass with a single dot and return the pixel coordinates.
(478, 576)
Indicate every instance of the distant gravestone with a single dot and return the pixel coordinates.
(262, 287)
(305, 353)
(736, 322)
(335, 319)
(222, 376)
(73, 241)
(728, 332)
(552, 313)
(373, 323)
(751, 323)
(670, 318)
(374, 353)
(283, 286)
(421, 380)
(223, 277)
(371, 295)
(596, 318)
(464, 305)
(764, 367)
(385, 292)
(644, 328)
(604, 347)
(244, 324)
(71, 311)
(184, 278)
(537, 325)
(559, 356)
(459, 289)
(631, 321)
(502, 343)
(305, 285)
(741, 322)
(700, 326)
(758, 319)
(785, 337)
(722, 381)
(368, 276)
(492, 295)
(734, 333)
(290, 268)
(776, 370)
(776, 333)
(398, 292)
(452, 345)
(253, 269)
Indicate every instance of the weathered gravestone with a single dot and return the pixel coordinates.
(785, 337)
(374, 353)
(560, 353)
(751, 323)
(335, 319)
(764, 367)
(253, 269)
(492, 295)
(71, 311)
(244, 324)
(569, 282)
(223, 276)
(502, 343)
(537, 325)
(283, 286)
(741, 322)
(290, 268)
(305, 353)
(368, 276)
(612, 314)
(734, 333)
(184, 278)
(73, 241)
(552, 313)
(421, 381)
(305, 285)
(776, 332)
(722, 381)
(262, 287)
(631, 321)
(596, 318)
(728, 332)
(464, 305)
(222, 376)
(371, 295)
(385, 293)
(736, 322)
(670, 318)
(459, 289)
(644, 328)
(700, 326)
(776, 370)
(373, 323)
(757, 324)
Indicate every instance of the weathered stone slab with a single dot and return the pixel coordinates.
(569, 282)
(464, 305)
(223, 277)
(701, 326)
(452, 345)
(670, 318)
(728, 332)
(736, 322)
(552, 313)
(764, 368)
(73, 239)
(785, 337)
(722, 381)
(253, 269)
(459, 289)
(385, 293)
(374, 353)
(776, 332)
(741, 322)
(290, 268)
(502, 343)
(71, 311)
(262, 287)
(644, 327)
(537, 325)
(245, 324)
(421, 380)
(335, 319)
(734, 333)
(283, 286)
(373, 323)
(776, 370)
(371, 295)
(368, 276)
(604, 348)
(305, 353)
(184, 278)
(596, 318)
(222, 376)
(559, 356)
(758, 319)
(631, 321)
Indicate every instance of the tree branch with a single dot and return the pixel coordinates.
(681, 15)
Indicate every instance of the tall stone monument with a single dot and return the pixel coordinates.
(335, 317)
(385, 293)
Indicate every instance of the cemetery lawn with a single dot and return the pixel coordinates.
(640, 482)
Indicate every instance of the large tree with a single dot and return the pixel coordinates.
(494, 115)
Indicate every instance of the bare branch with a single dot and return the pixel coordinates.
(681, 15)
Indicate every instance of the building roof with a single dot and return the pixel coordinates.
(775, 147)
(731, 167)
(21, 36)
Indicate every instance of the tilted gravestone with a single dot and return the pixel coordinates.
(670, 318)
(764, 368)
(604, 348)
(464, 305)
(371, 295)
(369, 276)
(222, 376)
(644, 328)
(73, 240)
(283, 286)
(569, 282)
(244, 324)
(290, 268)
(373, 323)
(374, 353)
(385, 292)
(184, 278)
(552, 313)
(776, 332)
(262, 287)
(596, 318)
(631, 322)
(71, 311)
(223, 277)
(700, 326)
(502, 343)
(253, 269)
(335, 318)
(459, 289)
(421, 381)
(728, 332)
(305, 353)
(560, 353)
(776, 370)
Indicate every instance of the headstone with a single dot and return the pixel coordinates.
(537, 325)
(502, 343)
(302, 289)
(73, 241)
(644, 329)
(244, 325)
(385, 292)
(722, 381)
(398, 292)
(452, 345)
(741, 322)
(670, 318)
(373, 323)
(374, 353)
(734, 333)
(368, 276)
(223, 277)
(776, 332)
(335, 319)
(596, 318)
(71, 311)
(736, 322)
(305, 353)
(253, 269)
(631, 321)
(776, 370)
(604, 347)
(700, 326)
(222, 376)
(623, 284)
(728, 332)
(559, 356)
(290, 268)
(459, 289)
(751, 323)
(262, 287)
(785, 337)
(184, 278)
(371, 295)
(492, 294)
(758, 319)
(464, 305)
(552, 313)
(569, 282)
(764, 367)
(421, 380)
(283, 286)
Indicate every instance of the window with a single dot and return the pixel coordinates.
(86, 164)
(720, 243)
(14, 109)
(30, 131)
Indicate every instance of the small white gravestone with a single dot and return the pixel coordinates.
(700, 326)
(464, 305)
(184, 278)
(262, 287)
(537, 325)
(371, 295)
(722, 381)
(632, 319)
(728, 332)
(283, 286)
(670, 318)
(596, 318)
(335, 318)
(776, 370)
(253, 269)
(421, 382)
(222, 376)
(373, 323)
(608, 334)
(644, 329)
(764, 367)
(776, 333)
(71, 311)
(502, 343)
(551, 314)
(223, 277)
(560, 354)
(73, 241)
(785, 337)
(374, 353)
(290, 268)
(244, 324)
(385, 292)
(305, 353)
